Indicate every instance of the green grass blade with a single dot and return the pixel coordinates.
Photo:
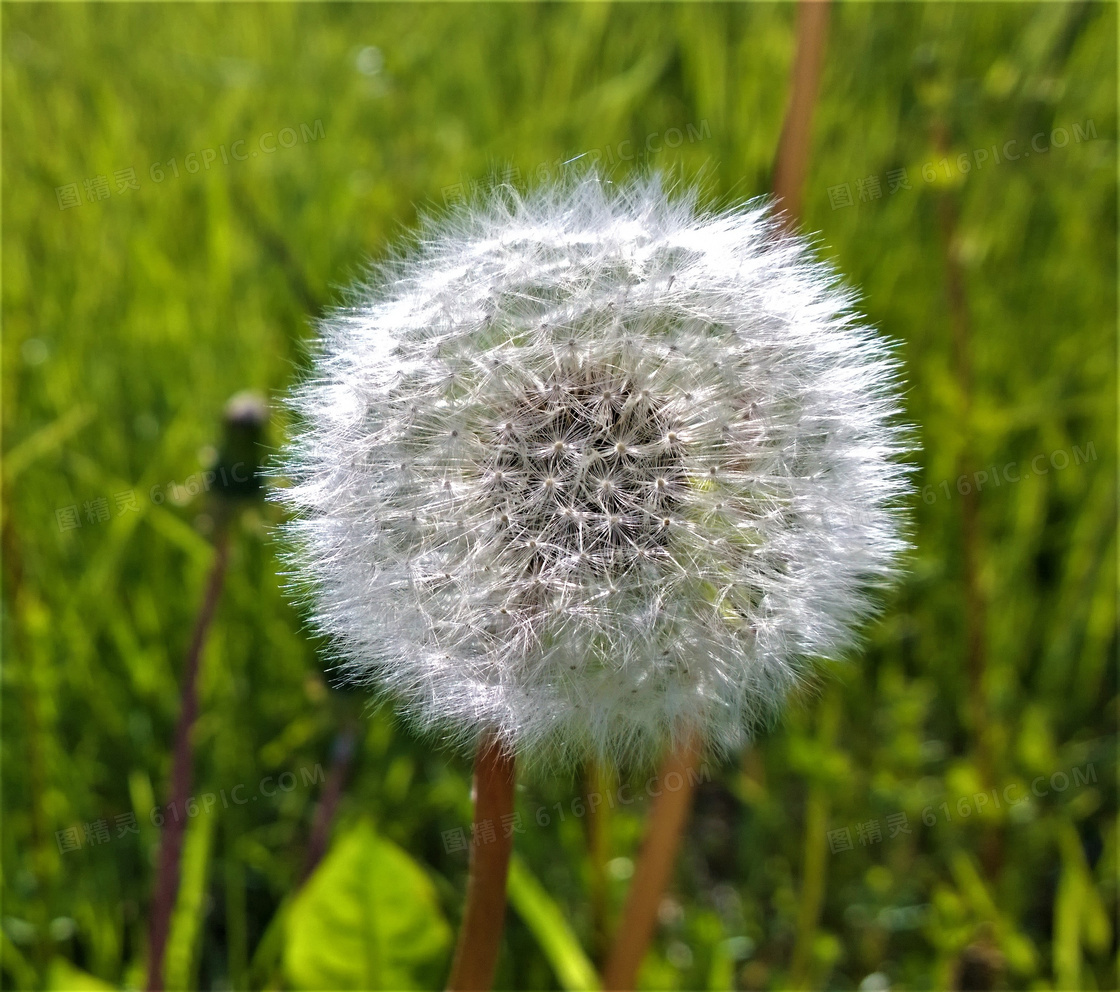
(547, 923)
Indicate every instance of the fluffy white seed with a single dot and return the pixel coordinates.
(597, 468)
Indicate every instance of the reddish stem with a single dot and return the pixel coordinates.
(484, 913)
(670, 812)
(655, 867)
(174, 826)
(328, 803)
(792, 159)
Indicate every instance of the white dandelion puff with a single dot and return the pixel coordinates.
(594, 467)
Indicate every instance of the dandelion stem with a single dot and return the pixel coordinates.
(171, 842)
(669, 814)
(341, 753)
(655, 865)
(484, 913)
(792, 159)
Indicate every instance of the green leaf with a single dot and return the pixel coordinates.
(547, 923)
(368, 918)
(64, 977)
(181, 965)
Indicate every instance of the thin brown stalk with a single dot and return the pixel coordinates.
(655, 867)
(791, 162)
(16, 594)
(670, 813)
(171, 842)
(480, 936)
(341, 754)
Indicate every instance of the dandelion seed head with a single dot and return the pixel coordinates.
(596, 467)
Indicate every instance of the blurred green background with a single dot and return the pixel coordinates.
(185, 186)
